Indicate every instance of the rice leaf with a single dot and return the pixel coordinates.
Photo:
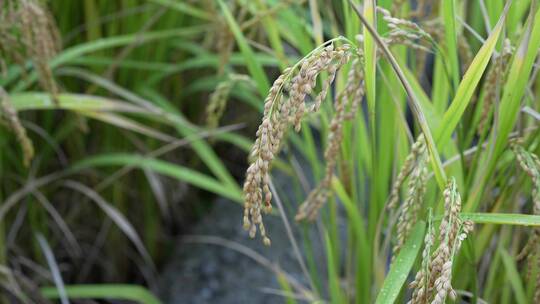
(125, 292)
(184, 8)
(336, 295)
(468, 85)
(503, 218)
(399, 270)
(185, 174)
(513, 276)
(116, 216)
(448, 8)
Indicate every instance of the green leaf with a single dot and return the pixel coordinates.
(448, 9)
(364, 256)
(184, 8)
(336, 293)
(503, 218)
(79, 50)
(513, 276)
(185, 174)
(401, 267)
(135, 293)
(370, 55)
(518, 78)
(468, 85)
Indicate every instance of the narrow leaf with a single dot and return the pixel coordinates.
(402, 266)
(104, 291)
(468, 85)
(503, 218)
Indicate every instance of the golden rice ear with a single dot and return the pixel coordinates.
(433, 283)
(31, 33)
(345, 105)
(405, 32)
(9, 113)
(413, 201)
(280, 113)
(418, 149)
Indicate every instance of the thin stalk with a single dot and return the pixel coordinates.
(413, 102)
(291, 237)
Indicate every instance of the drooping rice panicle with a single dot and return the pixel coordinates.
(285, 106)
(28, 30)
(218, 99)
(412, 203)
(433, 284)
(9, 113)
(418, 149)
(346, 105)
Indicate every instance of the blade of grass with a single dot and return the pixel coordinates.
(134, 293)
(513, 91)
(336, 294)
(270, 25)
(185, 174)
(503, 218)
(448, 8)
(513, 276)
(469, 84)
(185, 8)
(98, 45)
(53, 266)
(363, 252)
(116, 216)
(397, 276)
(370, 55)
(370, 80)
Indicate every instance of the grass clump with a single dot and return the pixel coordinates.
(452, 59)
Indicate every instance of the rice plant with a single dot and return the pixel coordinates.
(398, 136)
